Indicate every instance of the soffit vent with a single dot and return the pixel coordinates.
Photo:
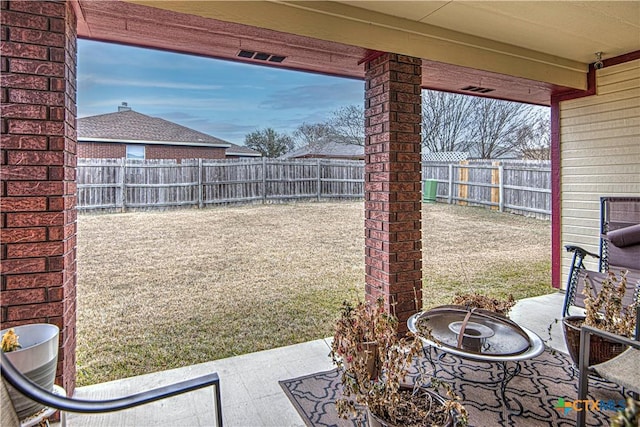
(477, 89)
(261, 56)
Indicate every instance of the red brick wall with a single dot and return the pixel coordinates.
(38, 157)
(178, 152)
(100, 150)
(393, 257)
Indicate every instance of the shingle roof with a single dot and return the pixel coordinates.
(241, 150)
(131, 126)
(329, 149)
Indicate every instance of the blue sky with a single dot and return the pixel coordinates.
(221, 98)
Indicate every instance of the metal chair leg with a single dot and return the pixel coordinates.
(583, 376)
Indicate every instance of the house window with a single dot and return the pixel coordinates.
(135, 152)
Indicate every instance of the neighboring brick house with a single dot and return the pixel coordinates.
(133, 135)
(328, 150)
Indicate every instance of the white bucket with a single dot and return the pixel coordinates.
(37, 360)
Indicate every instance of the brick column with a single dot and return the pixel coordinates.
(38, 164)
(393, 255)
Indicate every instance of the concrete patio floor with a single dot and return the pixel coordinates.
(251, 395)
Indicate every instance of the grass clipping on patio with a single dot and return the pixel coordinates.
(159, 290)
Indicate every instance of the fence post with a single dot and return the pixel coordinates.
(520, 182)
(463, 189)
(264, 180)
(495, 181)
(200, 185)
(319, 180)
(501, 180)
(450, 195)
(123, 183)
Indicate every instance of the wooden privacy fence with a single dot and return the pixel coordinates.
(516, 186)
(119, 184)
(521, 187)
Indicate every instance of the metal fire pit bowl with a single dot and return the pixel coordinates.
(487, 336)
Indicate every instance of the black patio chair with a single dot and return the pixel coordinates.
(619, 250)
(33, 391)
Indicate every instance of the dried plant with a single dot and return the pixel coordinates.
(10, 341)
(476, 300)
(604, 309)
(629, 416)
(363, 329)
(385, 394)
(453, 403)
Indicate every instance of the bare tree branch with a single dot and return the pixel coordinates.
(313, 134)
(534, 141)
(497, 126)
(487, 128)
(445, 121)
(348, 125)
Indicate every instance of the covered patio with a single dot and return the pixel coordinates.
(537, 52)
(251, 393)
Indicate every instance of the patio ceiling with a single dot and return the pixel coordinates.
(524, 51)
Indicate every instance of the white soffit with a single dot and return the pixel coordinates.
(574, 30)
(358, 26)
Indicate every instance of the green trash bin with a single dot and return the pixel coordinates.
(429, 190)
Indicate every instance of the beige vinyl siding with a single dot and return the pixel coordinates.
(599, 154)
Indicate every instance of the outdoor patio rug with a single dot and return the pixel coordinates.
(544, 383)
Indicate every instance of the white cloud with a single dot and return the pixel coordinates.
(315, 96)
(103, 80)
(159, 103)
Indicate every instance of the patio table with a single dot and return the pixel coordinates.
(494, 340)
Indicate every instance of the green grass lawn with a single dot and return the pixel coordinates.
(159, 290)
